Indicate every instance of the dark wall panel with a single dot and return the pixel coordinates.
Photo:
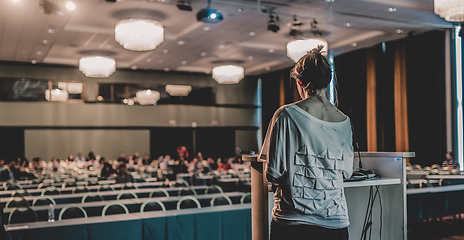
(164, 141)
(426, 97)
(11, 142)
(215, 142)
(350, 69)
(385, 69)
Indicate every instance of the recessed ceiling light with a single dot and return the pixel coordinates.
(134, 67)
(239, 10)
(51, 30)
(329, 1)
(70, 6)
(392, 9)
(15, 1)
(268, 68)
(271, 50)
(203, 54)
(250, 57)
(165, 51)
(399, 31)
(39, 53)
(45, 41)
(206, 28)
(180, 42)
(348, 24)
(33, 61)
(354, 44)
(100, 98)
(148, 60)
(252, 33)
(183, 62)
(166, 69)
(61, 13)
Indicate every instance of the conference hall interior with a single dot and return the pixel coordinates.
(143, 119)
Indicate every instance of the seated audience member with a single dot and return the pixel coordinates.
(182, 153)
(123, 176)
(181, 166)
(165, 168)
(36, 164)
(224, 165)
(200, 156)
(137, 159)
(450, 161)
(70, 158)
(54, 165)
(80, 158)
(122, 158)
(107, 170)
(23, 164)
(91, 161)
(11, 172)
(195, 166)
(2, 164)
(145, 160)
(101, 161)
(91, 156)
(130, 162)
(211, 165)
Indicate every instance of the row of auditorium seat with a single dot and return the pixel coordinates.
(24, 214)
(46, 199)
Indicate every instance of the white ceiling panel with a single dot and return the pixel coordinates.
(241, 38)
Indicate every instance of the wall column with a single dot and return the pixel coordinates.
(371, 102)
(401, 105)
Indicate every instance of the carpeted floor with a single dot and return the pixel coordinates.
(447, 228)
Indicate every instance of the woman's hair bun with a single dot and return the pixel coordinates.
(313, 69)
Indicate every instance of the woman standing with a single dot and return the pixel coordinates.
(308, 149)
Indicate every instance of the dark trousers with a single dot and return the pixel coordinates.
(308, 232)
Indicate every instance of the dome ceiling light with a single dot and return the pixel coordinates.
(450, 10)
(56, 95)
(139, 34)
(229, 74)
(178, 90)
(147, 97)
(97, 66)
(297, 48)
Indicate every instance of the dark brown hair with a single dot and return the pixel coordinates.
(313, 70)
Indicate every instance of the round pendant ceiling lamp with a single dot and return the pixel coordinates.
(178, 90)
(56, 95)
(298, 48)
(139, 34)
(450, 10)
(97, 66)
(229, 74)
(147, 97)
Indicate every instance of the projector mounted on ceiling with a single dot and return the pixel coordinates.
(209, 15)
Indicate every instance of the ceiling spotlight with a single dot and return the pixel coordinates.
(271, 24)
(70, 6)
(209, 15)
(295, 27)
(184, 5)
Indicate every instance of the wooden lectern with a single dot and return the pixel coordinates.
(259, 198)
